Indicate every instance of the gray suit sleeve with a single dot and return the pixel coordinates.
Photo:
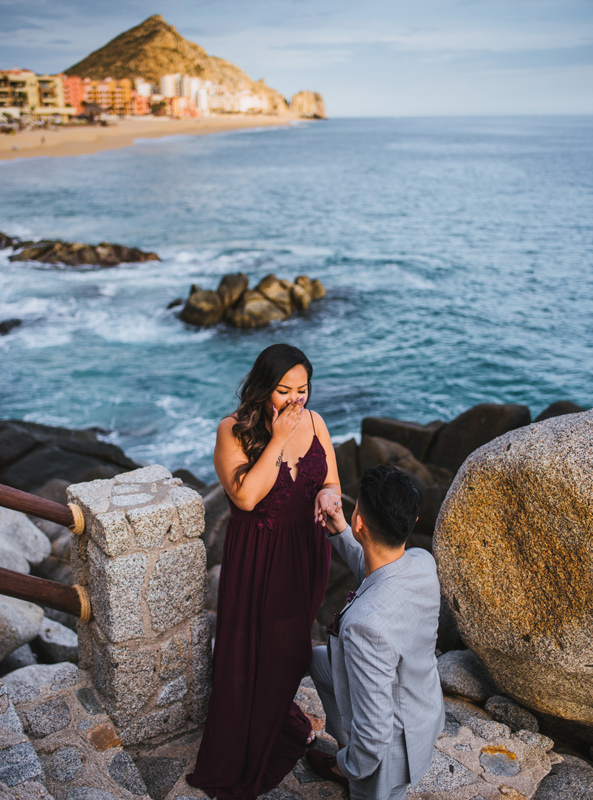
(346, 545)
(371, 665)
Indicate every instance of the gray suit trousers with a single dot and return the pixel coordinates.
(321, 672)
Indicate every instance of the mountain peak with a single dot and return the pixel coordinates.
(154, 48)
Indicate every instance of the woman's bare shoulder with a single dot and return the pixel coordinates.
(317, 418)
(225, 426)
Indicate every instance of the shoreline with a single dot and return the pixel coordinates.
(87, 140)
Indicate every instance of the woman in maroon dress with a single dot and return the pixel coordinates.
(276, 462)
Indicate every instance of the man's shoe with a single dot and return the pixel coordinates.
(322, 764)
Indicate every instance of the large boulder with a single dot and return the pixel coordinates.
(374, 450)
(20, 623)
(277, 292)
(32, 454)
(558, 409)
(254, 310)
(475, 427)
(514, 550)
(205, 307)
(347, 461)
(417, 438)
(18, 533)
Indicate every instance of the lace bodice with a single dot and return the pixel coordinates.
(290, 499)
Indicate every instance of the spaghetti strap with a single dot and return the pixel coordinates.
(312, 421)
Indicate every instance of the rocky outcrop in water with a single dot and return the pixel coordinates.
(74, 254)
(513, 548)
(309, 105)
(233, 302)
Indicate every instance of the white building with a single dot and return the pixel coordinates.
(171, 85)
(143, 88)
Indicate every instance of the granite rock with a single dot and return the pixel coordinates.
(160, 774)
(462, 673)
(25, 683)
(144, 728)
(201, 640)
(128, 680)
(570, 780)
(174, 657)
(88, 699)
(445, 774)
(12, 559)
(175, 690)
(116, 588)
(63, 764)
(513, 549)
(29, 790)
(45, 718)
(19, 763)
(57, 643)
(503, 709)
(125, 773)
(88, 793)
(18, 532)
(21, 657)
(172, 602)
(19, 623)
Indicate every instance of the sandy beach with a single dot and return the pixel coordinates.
(84, 140)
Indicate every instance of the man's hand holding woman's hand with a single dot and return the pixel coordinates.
(328, 511)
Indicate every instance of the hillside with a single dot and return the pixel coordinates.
(154, 48)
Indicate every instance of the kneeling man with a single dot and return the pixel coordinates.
(378, 678)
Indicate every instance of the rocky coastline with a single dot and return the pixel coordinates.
(527, 751)
(73, 254)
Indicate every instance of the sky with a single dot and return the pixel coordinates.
(366, 57)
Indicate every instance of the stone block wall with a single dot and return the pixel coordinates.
(141, 558)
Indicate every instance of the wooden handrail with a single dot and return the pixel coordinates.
(69, 516)
(71, 599)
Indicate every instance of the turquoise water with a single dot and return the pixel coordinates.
(457, 256)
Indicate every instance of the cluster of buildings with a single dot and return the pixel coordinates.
(58, 98)
(23, 93)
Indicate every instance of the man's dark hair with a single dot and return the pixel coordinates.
(388, 502)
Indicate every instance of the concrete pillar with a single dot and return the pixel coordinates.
(141, 558)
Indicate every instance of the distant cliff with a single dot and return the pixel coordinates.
(154, 48)
(308, 104)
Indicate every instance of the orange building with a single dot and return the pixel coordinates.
(141, 105)
(73, 91)
(183, 107)
(114, 96)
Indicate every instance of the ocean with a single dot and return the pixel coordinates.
(457, 254)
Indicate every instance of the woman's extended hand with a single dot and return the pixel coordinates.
(285, 423)
(327, 500)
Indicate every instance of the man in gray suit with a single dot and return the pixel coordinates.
(378, 678)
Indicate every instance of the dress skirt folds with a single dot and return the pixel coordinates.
(273, 578)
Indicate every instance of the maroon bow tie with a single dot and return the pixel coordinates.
(333, 628)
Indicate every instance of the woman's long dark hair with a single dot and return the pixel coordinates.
(257, 387)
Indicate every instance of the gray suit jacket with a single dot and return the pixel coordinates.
(384, 670)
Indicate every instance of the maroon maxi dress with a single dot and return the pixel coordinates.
(274, 573)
